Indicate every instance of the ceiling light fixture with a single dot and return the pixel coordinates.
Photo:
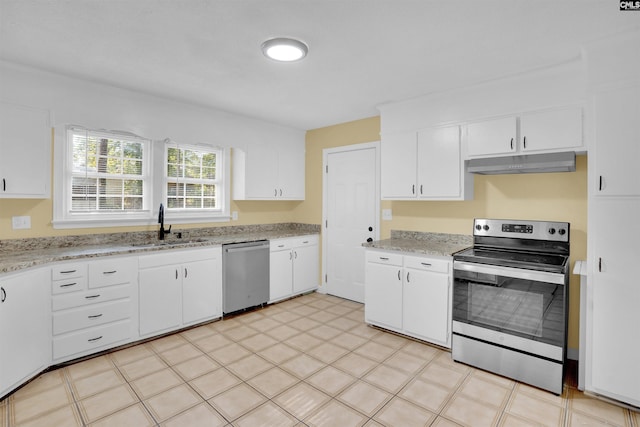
(284, 49)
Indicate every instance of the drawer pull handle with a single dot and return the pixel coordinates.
(426, 264)
(66, 285)
(305, 242)
(384, 258)
(4, 295)
(281, 246)
(68, 271)
(110, 272)
(92, 296)
(95, 316)
(94, 339)
(399, 278)
(408, 277)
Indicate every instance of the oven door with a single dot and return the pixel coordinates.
(523, 304)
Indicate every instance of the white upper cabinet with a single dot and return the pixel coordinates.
(269, 172)
(617, 136)
(424, 165)
(25, 152)
(547, 131)
(492, 137)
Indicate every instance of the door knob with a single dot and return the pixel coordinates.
(369, 240)
(370, 228)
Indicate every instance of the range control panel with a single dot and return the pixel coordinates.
(521, 229)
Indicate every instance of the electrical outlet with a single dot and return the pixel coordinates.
(234, 215)
(21, 222)
(386, 215)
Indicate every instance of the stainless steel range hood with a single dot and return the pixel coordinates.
(530, 163)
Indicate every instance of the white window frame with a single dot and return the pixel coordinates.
(63, 217)
(223, 175)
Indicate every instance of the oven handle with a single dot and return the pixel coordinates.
(516, 273)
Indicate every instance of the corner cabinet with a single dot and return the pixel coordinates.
(545, 131)
(179, 288)
(424, 165)
(269, 172)
(25, 152)
(25, 327)
(409, 294)
(293, 266)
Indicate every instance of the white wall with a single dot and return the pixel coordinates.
(98, 106)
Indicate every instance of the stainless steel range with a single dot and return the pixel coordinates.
(510, 300)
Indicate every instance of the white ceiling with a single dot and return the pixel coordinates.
(362, 53)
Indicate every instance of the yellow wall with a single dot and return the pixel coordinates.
(554, 196)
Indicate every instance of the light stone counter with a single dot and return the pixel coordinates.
(423, 243)
(18, 254)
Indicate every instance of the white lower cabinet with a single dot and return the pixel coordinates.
(93, 306)
(25, 337)
(293, 266)
(178, 288)
(409, 294)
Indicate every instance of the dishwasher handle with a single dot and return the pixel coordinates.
(245, 248)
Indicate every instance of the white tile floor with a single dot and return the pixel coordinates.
(307, 361)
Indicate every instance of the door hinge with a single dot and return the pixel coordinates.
(325, 278)
(326, 223)
(326, 169)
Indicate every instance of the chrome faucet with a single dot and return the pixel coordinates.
(162, 231)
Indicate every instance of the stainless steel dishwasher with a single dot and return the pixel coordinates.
(245, 275)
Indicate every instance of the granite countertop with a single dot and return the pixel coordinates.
(18, 254)
(423, 243)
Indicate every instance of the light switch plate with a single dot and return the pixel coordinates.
(386, 215)
(21, 222)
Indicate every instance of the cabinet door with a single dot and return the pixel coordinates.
(426, 305)
(614, 341)
(383, 295)
(617, 142)
(305, 268)
(291, 171)
(439, 163)
(280, 275)
(25, 152)
(201, 290)
(160, 299)
(25, 327)
(261, 178)
(553, 130)
(492, 137)
(398, 166)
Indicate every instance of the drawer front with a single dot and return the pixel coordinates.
(427, 264)
(68, 285)
(68, 271)
(112, 271)
(280, 245)
(384, 258)
(89, 339)
(93, 315)
(94, 296)
(309, 240)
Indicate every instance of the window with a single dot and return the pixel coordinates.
(106, 178)
(194, 178)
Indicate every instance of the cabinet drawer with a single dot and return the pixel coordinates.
(79, 299)
(93, 315)
(280, 245)
(68, 285)
(427, 264)
(384, 258)
(111, 272)
(68, 271)
(306, 240)
(88, 339)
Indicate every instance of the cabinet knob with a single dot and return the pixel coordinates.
(4, 295)
(524, 142)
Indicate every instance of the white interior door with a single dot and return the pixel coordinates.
(351, 216)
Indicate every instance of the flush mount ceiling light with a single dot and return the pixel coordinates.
(284, 49)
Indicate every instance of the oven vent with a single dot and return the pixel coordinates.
(531, 163)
